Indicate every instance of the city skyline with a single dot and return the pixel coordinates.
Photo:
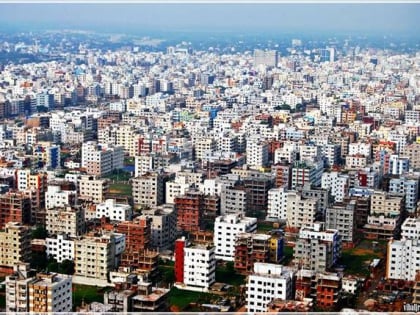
(131, 18)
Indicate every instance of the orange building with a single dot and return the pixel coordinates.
(189, 208)
(249, 249)
(137, 233)
(14, 207)
(327, 291)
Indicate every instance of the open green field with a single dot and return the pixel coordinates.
(356, 260)
(288, 255)
(180, 299)
(225, 275)
(264, 227)
(86, 293)
(120, 189)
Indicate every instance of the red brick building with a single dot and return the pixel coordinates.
(14, 207)
(137, 233)
(189, 209)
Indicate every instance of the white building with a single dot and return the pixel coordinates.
(410, 187)
(398, 165)
(277, 204)
(55, 197)
(403, 259)
(199, 267)
(51, 292)
(364, 149)
(178, 187)
(226, 228)
(256, 152)
(268, 282)
(300, 211)
(337, 183)
(114, 211)
(100, 159)
(60, 247)
(317, 248)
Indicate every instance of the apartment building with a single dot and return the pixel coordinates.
(176, 188)
(137, 233)
(277, 204)
(199, 267)
(61, 247)
(337, 183)
(317, 248)
(412, 151)
(233, 200)
(383, 203)
(300, 211)
(163, 226)
(15, 242)
(15, 207)
(283, 173)
(203, 145)
(342, 217)
(251, 248)
(149, 189)
(67, 220)
(50, 292)
(55, 197)
(189, 209)
(306, 172)
(93, 188)
(403, 256)
(266, 283)
(226, 229)
(17, 288)
(407, 185)
(114, 211)
(36, 182)
(42, 293)
(256, 152)
(96, 255)
(398, 165)
(100, 159)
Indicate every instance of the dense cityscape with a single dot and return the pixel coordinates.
(231, 172)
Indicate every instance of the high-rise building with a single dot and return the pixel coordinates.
(149, 189)
(266, 283)
(268, 58)
(50, 292)
(317, 248)
(189, 208)
(15, 244)
(226, 228)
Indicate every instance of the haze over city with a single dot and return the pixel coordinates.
(279, 17)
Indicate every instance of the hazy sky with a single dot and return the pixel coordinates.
(397, 17)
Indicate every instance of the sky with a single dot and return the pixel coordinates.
(287, 17)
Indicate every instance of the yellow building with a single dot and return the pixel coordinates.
(15, 244)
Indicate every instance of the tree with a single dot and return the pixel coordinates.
(66, 267)
(230, 267)
(38, 261)
(40, 232)
(52, 265)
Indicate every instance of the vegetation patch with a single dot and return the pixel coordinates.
(227, 274)
(180, 299)
(86, 294)
(120, 189)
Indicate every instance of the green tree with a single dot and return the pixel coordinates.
(40, 232)
(38, 261)
(66, 267)
(52, 265)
